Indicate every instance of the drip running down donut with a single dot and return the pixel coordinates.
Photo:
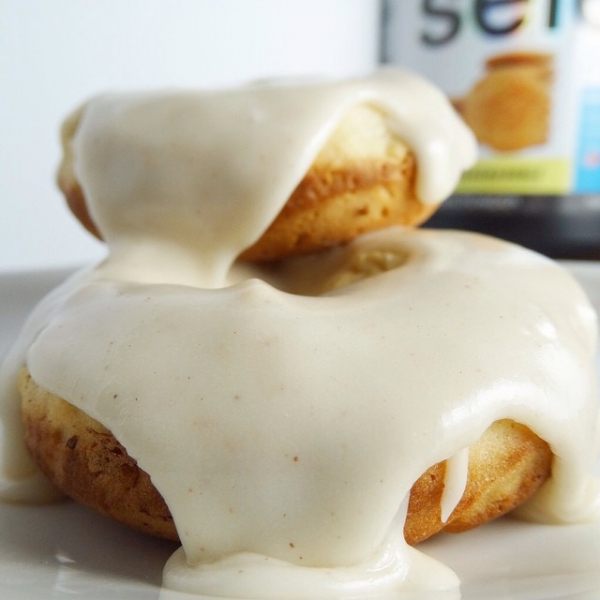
(271, 367)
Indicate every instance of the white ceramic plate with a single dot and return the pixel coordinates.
(65, 551)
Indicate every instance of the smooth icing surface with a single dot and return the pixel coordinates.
(282, 418)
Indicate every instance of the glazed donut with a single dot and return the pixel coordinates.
(269, 369)
(83, 459)
(362, 179)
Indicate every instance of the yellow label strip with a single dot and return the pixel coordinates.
(518, 175)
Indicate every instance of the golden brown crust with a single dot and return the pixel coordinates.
(84, 459)
(347, 194)
(331, 206)
(506, 466)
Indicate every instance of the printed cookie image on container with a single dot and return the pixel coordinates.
(508, 108)
(525, 77)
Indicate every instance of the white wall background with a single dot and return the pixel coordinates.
(55, 53)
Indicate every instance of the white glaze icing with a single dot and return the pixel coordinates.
(284, 423)
(244, 178)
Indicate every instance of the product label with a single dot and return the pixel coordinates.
(523, 74)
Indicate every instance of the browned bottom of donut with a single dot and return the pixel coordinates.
(332, 205)
(86, 462)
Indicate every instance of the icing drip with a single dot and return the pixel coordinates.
(455, 480)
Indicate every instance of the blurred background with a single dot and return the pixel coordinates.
(54, 54)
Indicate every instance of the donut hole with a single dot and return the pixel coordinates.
(319, 273)
(367, 263)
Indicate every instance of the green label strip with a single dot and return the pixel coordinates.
(518, 176)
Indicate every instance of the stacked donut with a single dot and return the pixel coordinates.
(341, 196)
(272, 358)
